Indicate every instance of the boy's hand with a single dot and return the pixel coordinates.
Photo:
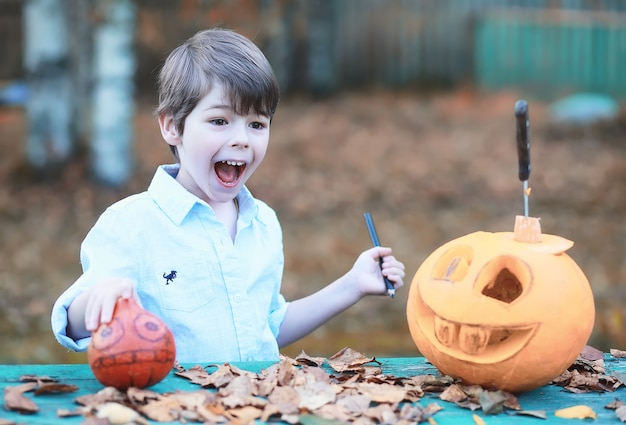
(100, 300)
(368, 274)
(364, 278)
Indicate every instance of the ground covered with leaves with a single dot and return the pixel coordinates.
(429, 168)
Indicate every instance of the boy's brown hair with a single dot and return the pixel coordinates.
(216, 55)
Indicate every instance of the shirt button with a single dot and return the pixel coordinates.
(238, 298)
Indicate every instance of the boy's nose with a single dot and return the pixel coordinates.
(240, 144)
(240, 138)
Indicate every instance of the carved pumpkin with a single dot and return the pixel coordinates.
(502, 310)
(136, 349)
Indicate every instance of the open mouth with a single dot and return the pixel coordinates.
(229, 172)
(479, 343)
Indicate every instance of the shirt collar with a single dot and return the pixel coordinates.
(248, 208)
(172, 198)
(177, 202)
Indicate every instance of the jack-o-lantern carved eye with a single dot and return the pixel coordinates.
(453, 265)
(504, 278)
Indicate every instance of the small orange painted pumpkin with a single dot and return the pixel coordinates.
(501, 311)
(136, 349)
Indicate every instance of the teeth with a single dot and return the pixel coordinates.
(445, 331)
(237, 163)
(473, 339)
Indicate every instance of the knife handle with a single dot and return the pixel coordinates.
(523, 143)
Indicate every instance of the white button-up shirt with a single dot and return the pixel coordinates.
(220, 298)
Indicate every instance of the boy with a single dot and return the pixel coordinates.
(197, 249)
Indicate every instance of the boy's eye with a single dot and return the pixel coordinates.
(218, 121)
(257, 125)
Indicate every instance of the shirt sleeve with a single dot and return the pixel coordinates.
(278, 306)
(104, 253)
(277, 315)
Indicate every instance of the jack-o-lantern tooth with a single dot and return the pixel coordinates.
(473, 340)
(445, 331)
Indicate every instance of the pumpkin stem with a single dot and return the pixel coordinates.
(527, 229)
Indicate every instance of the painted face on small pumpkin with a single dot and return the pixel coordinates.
(144, 329)
(135, 349)
(485, 304)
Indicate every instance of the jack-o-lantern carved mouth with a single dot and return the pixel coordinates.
(478, 343)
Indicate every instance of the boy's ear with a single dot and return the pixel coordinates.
(168, 130)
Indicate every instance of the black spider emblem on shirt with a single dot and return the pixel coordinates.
(169, 278)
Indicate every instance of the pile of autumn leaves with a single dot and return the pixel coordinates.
(300, 391)
(296, 391)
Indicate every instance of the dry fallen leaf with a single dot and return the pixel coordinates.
(285, 372)
(382, 414)
(432, 408)
(348, 360)
(196, 374)
(431, 383)
(163, 410)
(416, 413)
(15, 400)
(475, 397)
(304, 359)
(286, 399)
(55, 388)
(591, 353)
(339, 412)
(315, 395)
(588, 375)
(492, 402)
(576, 412)
(92, 420)
(614, 404)
(103, 396)
(617, 353)
(118, 414)
(35, 378)
(354, 404)
(141, 395)
(541, 414)
(316, 373)
(214, 412)
(79, 411)
(246, 414)
(453, 394)
(382, 393)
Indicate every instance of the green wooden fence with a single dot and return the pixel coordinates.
(548, 47)
(552, 54)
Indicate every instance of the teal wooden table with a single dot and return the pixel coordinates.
(548, 398)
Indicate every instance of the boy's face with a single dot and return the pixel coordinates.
(219, 150)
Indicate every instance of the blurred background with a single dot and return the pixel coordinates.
(403, 108)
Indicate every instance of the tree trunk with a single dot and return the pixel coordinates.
(49, 141)
(113, 96)
(80, 15)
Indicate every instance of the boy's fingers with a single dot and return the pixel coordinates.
(128, 288)
(107, 312)
(382, 251)
(90, 324)
(91, 314)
